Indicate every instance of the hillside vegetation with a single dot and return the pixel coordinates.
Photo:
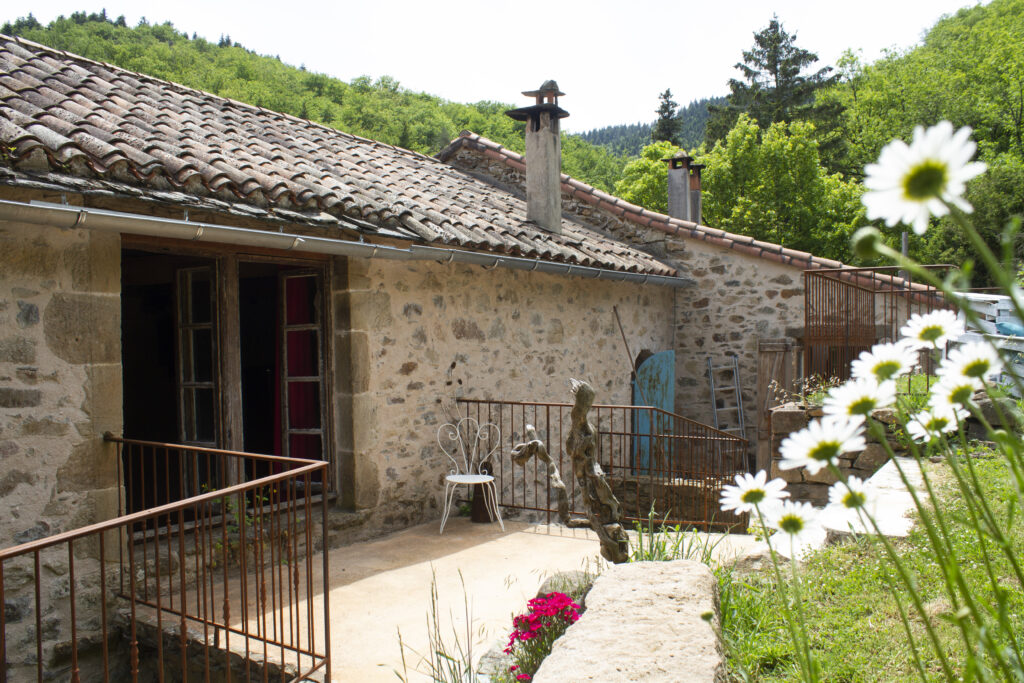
(379, 109)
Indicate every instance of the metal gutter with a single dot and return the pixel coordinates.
(65, 216)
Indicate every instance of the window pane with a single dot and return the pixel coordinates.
(301, 299)
(308, 446)
(303, 353)
(304, 405)
(200, 292)
(203, 414)
(202, 355)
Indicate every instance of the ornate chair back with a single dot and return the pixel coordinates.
(468, 444)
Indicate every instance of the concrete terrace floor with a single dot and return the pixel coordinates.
(378, 587)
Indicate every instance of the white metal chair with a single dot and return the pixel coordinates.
(469, 444)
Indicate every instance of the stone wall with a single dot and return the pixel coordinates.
(423, 334)
(60, 379)
(813, 488)
(738, 298)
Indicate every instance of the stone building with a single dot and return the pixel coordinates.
(181, 267)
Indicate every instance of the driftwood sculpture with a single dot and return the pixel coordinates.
(604, 514)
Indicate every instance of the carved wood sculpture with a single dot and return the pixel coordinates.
(604, 514)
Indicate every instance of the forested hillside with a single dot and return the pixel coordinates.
(380, 109)
(630, 139)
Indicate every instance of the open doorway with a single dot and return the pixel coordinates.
(198, 357)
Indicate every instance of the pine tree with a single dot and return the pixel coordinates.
(668, 125)
(773, 88)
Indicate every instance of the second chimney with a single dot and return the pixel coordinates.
(684, 191)
(543, 156)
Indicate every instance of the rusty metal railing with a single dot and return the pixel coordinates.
(651, 458)
(848, 310)
(209, 569)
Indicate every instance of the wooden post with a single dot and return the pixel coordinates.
(230, 359)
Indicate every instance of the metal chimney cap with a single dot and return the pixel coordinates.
(681, 155)
(549, 87)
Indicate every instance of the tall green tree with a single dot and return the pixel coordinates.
(774, 86)
(770, 184)
(645, 180)
(668, 125)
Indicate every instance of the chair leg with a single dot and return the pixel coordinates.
(449, 496)
(491, 502)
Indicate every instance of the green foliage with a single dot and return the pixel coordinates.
(853, 622)
(448, 659)
(656, 541)
(645, 180)
(771, 185)
(625, 140)
(378, 109)
(666, 127)
(774, 87)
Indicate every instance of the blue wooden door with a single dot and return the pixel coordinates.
(654, 386)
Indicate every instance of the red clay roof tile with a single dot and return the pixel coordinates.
(579, 190)
(115, 123)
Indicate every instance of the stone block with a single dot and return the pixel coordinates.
(84, 328)
(788, 419)
(103, 399)
(96, 264)
(17, 350)
(359, 361)
(815, 494)
(823, 476)
(19, 398)
(91, 465)
(46, 426)
(871, 458)
(790, 476)
(656, 633)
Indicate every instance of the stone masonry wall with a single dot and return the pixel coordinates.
(738, 298)
(60, 379)
(424, 333)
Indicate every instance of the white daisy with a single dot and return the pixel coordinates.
(858, 397)
(935, 421)
(977, 360)
(952, 391)
(753, 491)
(884, 361)
(932, 330)
(911, 183)
(821, 443)
(798, 520)
(853, 494)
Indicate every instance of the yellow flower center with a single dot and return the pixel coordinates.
(826, 450)
(977, 368)
(862, 406)
(886, 369)
(753, 496)
(930, 333)
(961, 394)
(854, 499)
(925, 180)
(791, 524)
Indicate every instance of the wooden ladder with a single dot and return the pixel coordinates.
(721, 390)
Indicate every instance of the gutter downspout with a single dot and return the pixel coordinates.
(68, 217)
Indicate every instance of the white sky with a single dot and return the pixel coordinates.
(611, 58)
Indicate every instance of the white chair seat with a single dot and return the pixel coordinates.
(469, 478)
(468, 444)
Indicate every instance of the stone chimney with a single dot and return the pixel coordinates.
(543, 156)
(684, 200)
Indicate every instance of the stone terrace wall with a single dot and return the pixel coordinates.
(60, 379)
(424, 333)
(813, 488)
(739, 298)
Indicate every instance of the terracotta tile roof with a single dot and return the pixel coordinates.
(674, 226)
(68, 121)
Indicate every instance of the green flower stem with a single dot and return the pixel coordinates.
(994, 529)
(797, 630)
(905, 575)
